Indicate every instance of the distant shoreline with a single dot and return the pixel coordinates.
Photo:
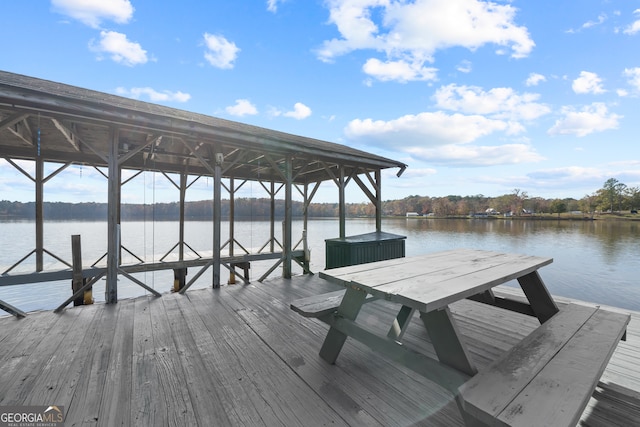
(541, 217)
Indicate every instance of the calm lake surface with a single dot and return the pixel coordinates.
(594, 261)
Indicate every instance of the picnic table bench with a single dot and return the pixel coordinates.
(552, 372)
(548, 378)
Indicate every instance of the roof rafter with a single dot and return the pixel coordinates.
(68, 134)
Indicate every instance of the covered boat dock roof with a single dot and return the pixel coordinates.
(48, 122)
(62, 123)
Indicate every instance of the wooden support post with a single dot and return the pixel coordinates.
(183, 196)
(77, 281)
(217, 213)
(378, 200)
(247, 265)
(272, 216)
(342, 206)
(232, 225)
(39, 181)
(307, 253)
(113, 223)
(179, 278)
(288, 218)
(305, 246)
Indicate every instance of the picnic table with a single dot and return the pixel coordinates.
(429, 284)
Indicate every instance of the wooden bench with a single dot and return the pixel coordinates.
(549, 377)
(320, 305)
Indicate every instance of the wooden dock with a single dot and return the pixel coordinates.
(239, 355)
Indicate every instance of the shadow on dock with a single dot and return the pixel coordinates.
(239, 355)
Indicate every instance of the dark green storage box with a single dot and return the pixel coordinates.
(363, 248)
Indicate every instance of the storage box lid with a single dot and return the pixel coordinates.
(376, 236)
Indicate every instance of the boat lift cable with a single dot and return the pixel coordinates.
(38, 134)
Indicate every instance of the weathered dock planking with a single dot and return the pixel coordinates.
(240, 356)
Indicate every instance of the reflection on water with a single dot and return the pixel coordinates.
(593, 260)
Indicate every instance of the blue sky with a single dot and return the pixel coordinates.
(476, 97)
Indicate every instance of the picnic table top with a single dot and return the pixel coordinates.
(432, 281)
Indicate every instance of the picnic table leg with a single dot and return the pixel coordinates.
(543, 306)
(446, 340)
(349, 309)
(400, 323)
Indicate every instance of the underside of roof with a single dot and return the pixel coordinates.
(66, 124)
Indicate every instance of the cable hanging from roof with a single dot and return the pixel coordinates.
(38, 134)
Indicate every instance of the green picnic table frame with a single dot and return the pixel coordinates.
(428, 284)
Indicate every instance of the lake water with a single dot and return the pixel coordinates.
(594, 261)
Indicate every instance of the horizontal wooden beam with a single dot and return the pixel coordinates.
(506, 303)
(67, 274)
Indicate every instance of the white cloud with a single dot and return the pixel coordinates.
(588, 83)
(498, 103)
(634, 77)
(592, 118)
(220, 53)
(300, 111)
(534, 79)
(413, 31)
(474, 155)
(153, 95)
(581, 179)
(93, 12)
(566, 174)
(589, 24)
(424, 129)
(444, 138)
(634, 27)
(629, 163)
(241, 108)
(398, 70)
(274, 112)
(411, 174)
(464, 67)
(119, 48)
(601, 18)
(272, 5)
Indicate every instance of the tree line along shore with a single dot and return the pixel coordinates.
(613, 200)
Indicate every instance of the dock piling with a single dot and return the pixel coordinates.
(78, 281)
